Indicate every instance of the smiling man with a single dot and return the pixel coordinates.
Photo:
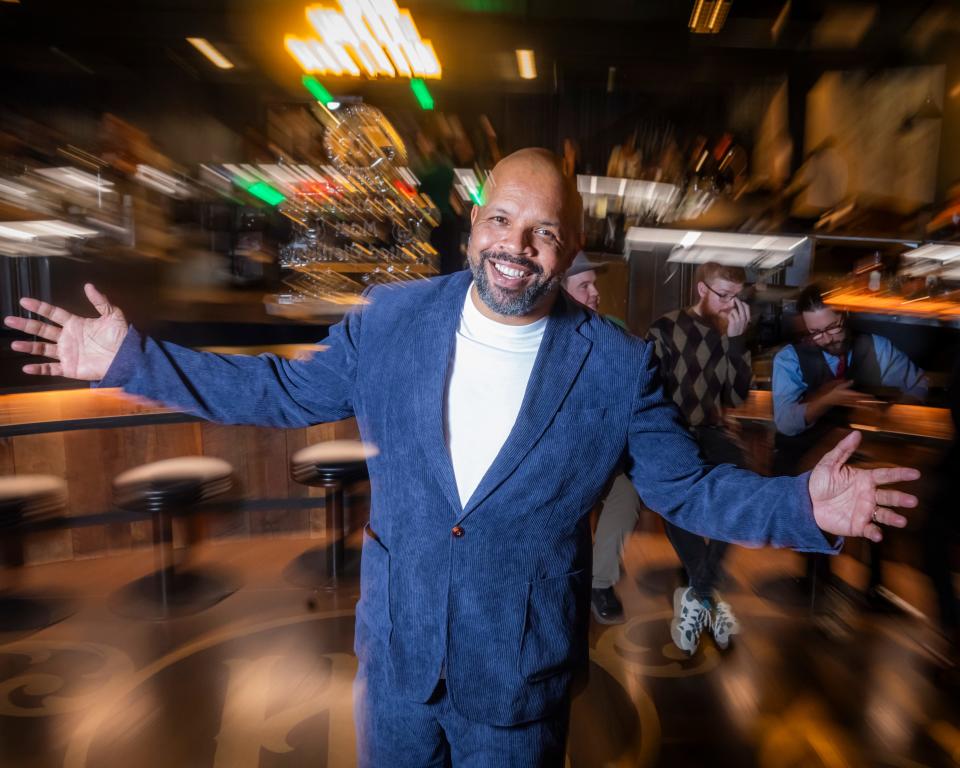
(523, 238)
(500, 409)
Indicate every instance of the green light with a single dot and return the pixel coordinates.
(266, 193)
(492, 6)
(419, 89)
(318, 92)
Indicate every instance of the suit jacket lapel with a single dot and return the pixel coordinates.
(435, 331)
(558, 363)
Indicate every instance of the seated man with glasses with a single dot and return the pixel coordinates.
(817, 380)
(827, 370)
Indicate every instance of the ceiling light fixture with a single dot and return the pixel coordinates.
(317, 90)
(709, 16)
(424, 98)
(207, 49)
(365, 37)
(781, 21)
(526, 64)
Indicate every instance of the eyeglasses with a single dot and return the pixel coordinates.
(828, 331)
(724, 297)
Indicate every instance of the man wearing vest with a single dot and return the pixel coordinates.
(817, 381)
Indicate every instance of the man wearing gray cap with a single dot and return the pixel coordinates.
(580, 281)
(618, 516)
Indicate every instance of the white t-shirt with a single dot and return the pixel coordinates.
(491, 367)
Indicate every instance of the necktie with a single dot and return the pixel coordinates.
(841, 368)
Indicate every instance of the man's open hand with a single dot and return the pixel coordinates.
(848, 501)
(79, 347)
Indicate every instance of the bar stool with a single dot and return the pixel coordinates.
(167, 489)
(26, 499)
(332, 465)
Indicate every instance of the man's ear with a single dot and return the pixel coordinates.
(474, 212)
(701, 289)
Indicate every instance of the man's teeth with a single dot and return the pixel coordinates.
(509, 271)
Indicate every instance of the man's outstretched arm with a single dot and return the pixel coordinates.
(235, 389)
(736, 505)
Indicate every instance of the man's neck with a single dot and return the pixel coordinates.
(697, 311)
(701, 315)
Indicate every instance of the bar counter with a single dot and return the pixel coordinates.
(67, 410)
(916, 423)
(89, 436)
(71, 409)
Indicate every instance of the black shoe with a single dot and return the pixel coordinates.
(606, 606)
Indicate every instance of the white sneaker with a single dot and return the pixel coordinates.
(690, 618)
(725, 624)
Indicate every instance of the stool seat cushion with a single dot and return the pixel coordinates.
(23, 488)
(335, 452)
(185, 469)
(332, 462)
(25, 498)
(172, 483)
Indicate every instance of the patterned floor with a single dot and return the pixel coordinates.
(260, 680)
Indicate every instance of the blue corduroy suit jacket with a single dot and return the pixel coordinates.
(501, 610)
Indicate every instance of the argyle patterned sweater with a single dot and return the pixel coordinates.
(703, 370)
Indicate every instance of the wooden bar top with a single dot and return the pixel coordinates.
(69, 409)
(910, 421)
(29, 412)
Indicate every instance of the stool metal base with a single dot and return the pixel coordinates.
(312, 569)
(22, 612)
(170, 594)
(801, 592)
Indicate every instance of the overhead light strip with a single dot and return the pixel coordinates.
(709, 16)
(424, 98)
(372, 38)
(207, 49)
(526, 64)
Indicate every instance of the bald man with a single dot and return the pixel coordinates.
(500, 408)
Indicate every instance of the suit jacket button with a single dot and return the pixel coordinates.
(457, 531)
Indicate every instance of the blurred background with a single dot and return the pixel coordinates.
(234, 174)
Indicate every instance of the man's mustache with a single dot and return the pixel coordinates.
(511, 259)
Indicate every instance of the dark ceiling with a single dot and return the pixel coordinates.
(99, 54)
(647, 40)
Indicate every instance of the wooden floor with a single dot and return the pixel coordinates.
(262, 680)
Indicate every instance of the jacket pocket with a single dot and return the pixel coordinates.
(374, 605)
(552, 633)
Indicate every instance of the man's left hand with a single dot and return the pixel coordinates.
(850, 502)
(739, 318)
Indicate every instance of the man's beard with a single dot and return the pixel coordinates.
(837, 348)
(719, 320)
(511, 303)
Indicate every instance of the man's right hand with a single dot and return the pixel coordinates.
(833, 394)
(842, 393)
(739, 318)
(80, 347)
